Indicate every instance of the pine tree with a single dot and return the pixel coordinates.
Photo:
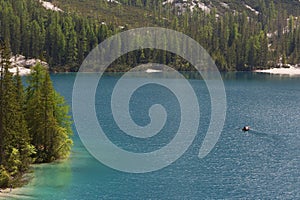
(47, 116)
(25, 148)
(36, 39)
(9, 122)
(63, 143)
(4, 65)
(14, 139)
(34, 111)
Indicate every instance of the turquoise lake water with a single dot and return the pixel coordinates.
(261, 164)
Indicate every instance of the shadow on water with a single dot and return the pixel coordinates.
(259, 133)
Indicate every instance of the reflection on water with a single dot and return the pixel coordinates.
(57, 175)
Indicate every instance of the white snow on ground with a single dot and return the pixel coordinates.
(22, 71)
(270, 35)
(192, 6)
(283, 71)
(225, 5)
(23, 64)
(113, 1)
(252, 9)
(168, 1)
(50, 6)
(185, 4)
(203, 7)
(153, 70)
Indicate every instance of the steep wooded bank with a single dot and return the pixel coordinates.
(235, 40)
(34, 123)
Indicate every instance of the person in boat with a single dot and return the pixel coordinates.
(246, 128)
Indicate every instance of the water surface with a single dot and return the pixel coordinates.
(262, 163)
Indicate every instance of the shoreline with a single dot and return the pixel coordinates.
(27, 190)
(279, 71)
(20, 191)
(292, 71)
(16, 193)
(22, 71)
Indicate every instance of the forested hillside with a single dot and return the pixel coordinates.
(239, 35)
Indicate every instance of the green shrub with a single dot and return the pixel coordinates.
(4, 177)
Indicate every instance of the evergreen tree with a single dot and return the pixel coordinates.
(24, 147)
(42, 112)
(15, 147)
(4, 65)
(47, 116)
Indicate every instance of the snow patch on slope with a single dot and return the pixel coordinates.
(203, 7)
(50, 6)
(225, 5)
(252, 9)
(113, 1)
(183, 5)
(168, 1)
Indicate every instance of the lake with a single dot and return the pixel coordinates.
(261, 163)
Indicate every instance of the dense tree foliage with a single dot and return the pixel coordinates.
(235, 40)
(46, 115)
(34, 125)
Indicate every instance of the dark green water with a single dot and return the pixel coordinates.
(262, 163)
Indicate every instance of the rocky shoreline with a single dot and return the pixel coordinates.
(282, 70)
(23, 64)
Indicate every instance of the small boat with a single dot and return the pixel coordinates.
(246, 128)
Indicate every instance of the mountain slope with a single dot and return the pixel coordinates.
(110, 12)
(239, 35)
(140, 13)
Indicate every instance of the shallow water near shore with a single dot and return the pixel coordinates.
(261, 163)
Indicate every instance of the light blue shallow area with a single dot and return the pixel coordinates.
(261, 163)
